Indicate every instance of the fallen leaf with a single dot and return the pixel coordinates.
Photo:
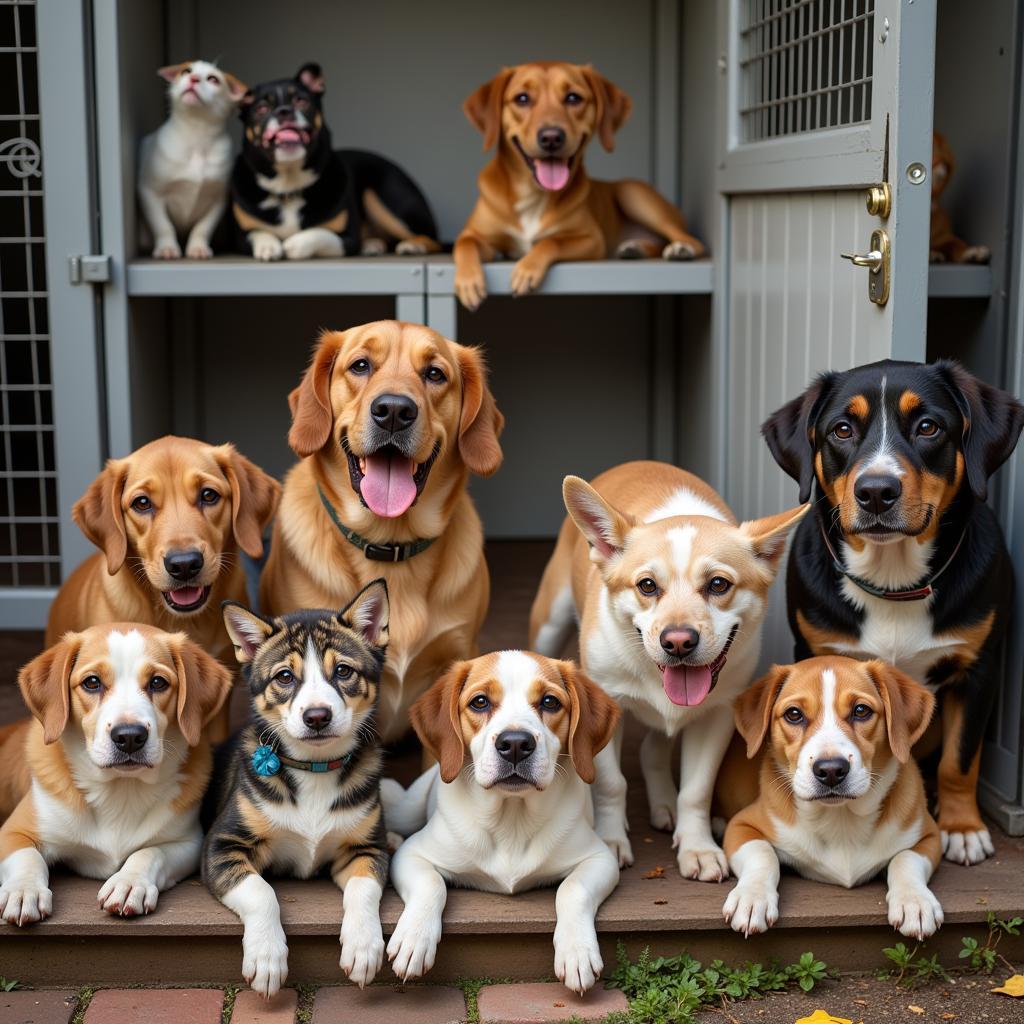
(660, 903)
(559, 1005)
(1013, 986)
(982, 901)
(949, 1016)
(860, 1002)
(658, 871)
(648, 839)
(916, 1009)
(823, 1017)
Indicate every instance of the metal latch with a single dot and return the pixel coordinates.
(877, 261)
(89, 269)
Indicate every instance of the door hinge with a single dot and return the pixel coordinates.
(89, 269)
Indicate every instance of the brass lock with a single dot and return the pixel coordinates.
(878, 265)
(879, 200)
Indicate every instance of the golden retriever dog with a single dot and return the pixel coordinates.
(169, 520)
(389, 421)
(536, 201)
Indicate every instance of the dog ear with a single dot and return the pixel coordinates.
(237, 89)
(604, 527)
(312, 416)
(171, 72)
(481, 421)
(435, 717)
(99, 515)
(312, 77)
(254, 497)
(992, 423)
(45, 684)
(247, 630)
(483, 107)
(753, 707)
(593, 718)
(203, 686)
(788, 432)
(769, 535)
(908, 707)
(613, 106)
(367, 613)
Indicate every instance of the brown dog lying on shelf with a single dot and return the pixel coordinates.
(536, 200)
(945, 245)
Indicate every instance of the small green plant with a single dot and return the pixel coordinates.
(909, 969)
(7, 986)
(670, 990)
(984, 958)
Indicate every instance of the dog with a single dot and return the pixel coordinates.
(669, 599)
(507, 807)
(841, 797)
(169, 521)
(903, 559)
(184, 166)
(389, 421)
(298, 788)
(116, 763)
(536, 201)
(294, 197)
(945, 246)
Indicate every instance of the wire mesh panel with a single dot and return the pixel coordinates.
(29, 551)
(805, 65)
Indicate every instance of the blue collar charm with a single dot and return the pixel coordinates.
(265, 762)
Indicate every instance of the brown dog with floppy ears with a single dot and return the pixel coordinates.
(169, 520)
(389, 421)
(536, 200)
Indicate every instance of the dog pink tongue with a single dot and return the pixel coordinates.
(184, 596)
(388, 486)
(685, 685)
(552, 174)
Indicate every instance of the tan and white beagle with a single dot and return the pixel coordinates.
(841, 797)
(117, 764)
(508, 806)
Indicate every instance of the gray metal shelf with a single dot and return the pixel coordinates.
(959, 281)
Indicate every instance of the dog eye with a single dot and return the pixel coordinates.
(862, 712)
(720, 585)
(301, 102)
(361, 367)
(573, 99)
(927, 428)
(142, 504)
(479, 703)
(92, 683)
(213, 79)
(842, 431)
(550, 703)
(521, 99)
(208, 496)
(343, 672)
(285, 677)
(435, 375)
(647, 586)
(793, 715)
(158, 684)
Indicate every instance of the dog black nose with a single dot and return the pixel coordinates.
(183, 565)
(394, 412)
(317, 718)
(129, 738)
(830, 771)
(283, 113)
(877, 494)
(551, 139)
(679, 640)
(515, 745)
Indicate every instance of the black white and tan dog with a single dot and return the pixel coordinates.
(904, 560)
(294, 197)
(297, 789)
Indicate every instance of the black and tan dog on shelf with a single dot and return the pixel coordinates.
(903, 560)
(294, 197)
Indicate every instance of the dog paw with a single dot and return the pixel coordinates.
(411, 247)
(620, 845)
(373, 247)
(128, 894)
(266, 247)
(703, 862)
(578, 962)
(751, 909)
(24, 903)
(631, 249)
(198, 250)
(167, 250)
(971, 847)
(413, 945)
(915, 913)
(265, 959)
(362, 949)
(976, 254)
(471, 289)
(663, 818)
(526, 277)
(681, 251)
